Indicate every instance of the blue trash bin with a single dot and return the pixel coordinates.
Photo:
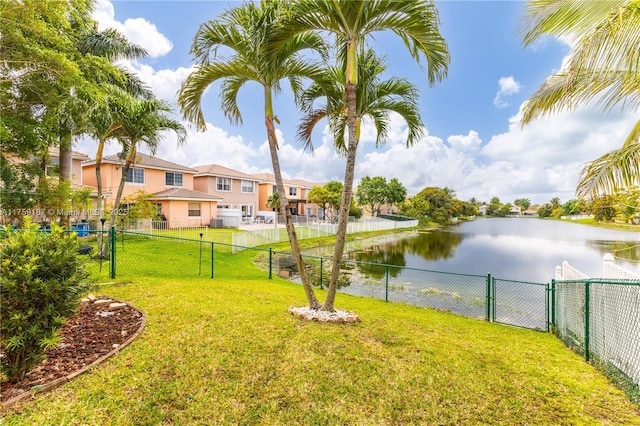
(83, 229)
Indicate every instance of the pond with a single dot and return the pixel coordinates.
(526, 249)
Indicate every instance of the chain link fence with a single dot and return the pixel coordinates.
(600, 319)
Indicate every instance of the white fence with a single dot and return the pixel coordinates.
(258, 237)
(567, 272)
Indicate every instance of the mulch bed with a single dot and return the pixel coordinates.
(86, 337)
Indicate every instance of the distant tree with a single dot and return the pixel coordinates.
(505, 210)
(523, 203)
(434, 203)
(544, 210)
(372, 193)
(396, 192)
(274, 201)
(327, 197)
(573, 207)
(555, 203)
(603, 208)
(494, 207)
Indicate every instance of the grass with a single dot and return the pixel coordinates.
(226, 351)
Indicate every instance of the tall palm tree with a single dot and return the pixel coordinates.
(144, 121)
(375, 99)
(96, 51)
(351, 22)
(247, 31)
(603, 66)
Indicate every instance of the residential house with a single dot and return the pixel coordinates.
(236, 190)
(170, 184)
(297, 191)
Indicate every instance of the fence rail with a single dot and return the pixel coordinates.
(257, 237)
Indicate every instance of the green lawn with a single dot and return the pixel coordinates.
(225, 351)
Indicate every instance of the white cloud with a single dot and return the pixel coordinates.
(508, 87)
(138, 30)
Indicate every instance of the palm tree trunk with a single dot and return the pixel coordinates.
(345, 201)
(65, 158)
(99, 204)
(291, 230)
(116, 204)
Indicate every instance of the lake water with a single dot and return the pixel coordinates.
(526, 249)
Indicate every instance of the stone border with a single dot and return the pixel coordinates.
(62, 380)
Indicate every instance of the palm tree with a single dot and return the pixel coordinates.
(143, 121)
(602, 66)
(97, 50)
(246, 31)
(375, 99)
(351, 22)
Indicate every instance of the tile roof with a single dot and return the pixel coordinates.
(218, 170)
(184, 194)
(269, 178)
(148, 161)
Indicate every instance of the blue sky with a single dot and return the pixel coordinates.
(474, 143)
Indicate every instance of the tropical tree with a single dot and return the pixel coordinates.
(246, 32)
(145, 122)
(603, 66)
(396, 192)
(523, 203)
(372, 193)
(351, 22)
(327, 197)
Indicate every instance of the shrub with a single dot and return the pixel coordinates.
(41, 280)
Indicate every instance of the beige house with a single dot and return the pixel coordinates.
(171, 185)
(297, 192)
(235, 190)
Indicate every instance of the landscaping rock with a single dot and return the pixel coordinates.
(117, 306)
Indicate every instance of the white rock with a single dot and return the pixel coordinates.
(116, 306)
(102, 301)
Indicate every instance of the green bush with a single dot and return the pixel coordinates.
(42, 278)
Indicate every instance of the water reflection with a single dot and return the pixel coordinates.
(519, 249)
(429, 246)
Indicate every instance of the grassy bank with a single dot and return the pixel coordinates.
(225, 351)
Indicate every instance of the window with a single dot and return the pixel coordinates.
(293, 191)
(135, 176)
(275, 189)
(247, 186)
(173, 179)
(223, 184)
(194, 209)
(224, 206)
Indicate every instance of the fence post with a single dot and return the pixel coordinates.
(112, 257)
(320, 273)
(488, 291)
(553, 305)
(212, 251)
(386, 284)
(200, 258)
(586, 320)
(270, 263)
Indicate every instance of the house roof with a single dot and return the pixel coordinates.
(54, 151)
(271, 179)
(146, 161)
(184, 194)
(218, 170)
